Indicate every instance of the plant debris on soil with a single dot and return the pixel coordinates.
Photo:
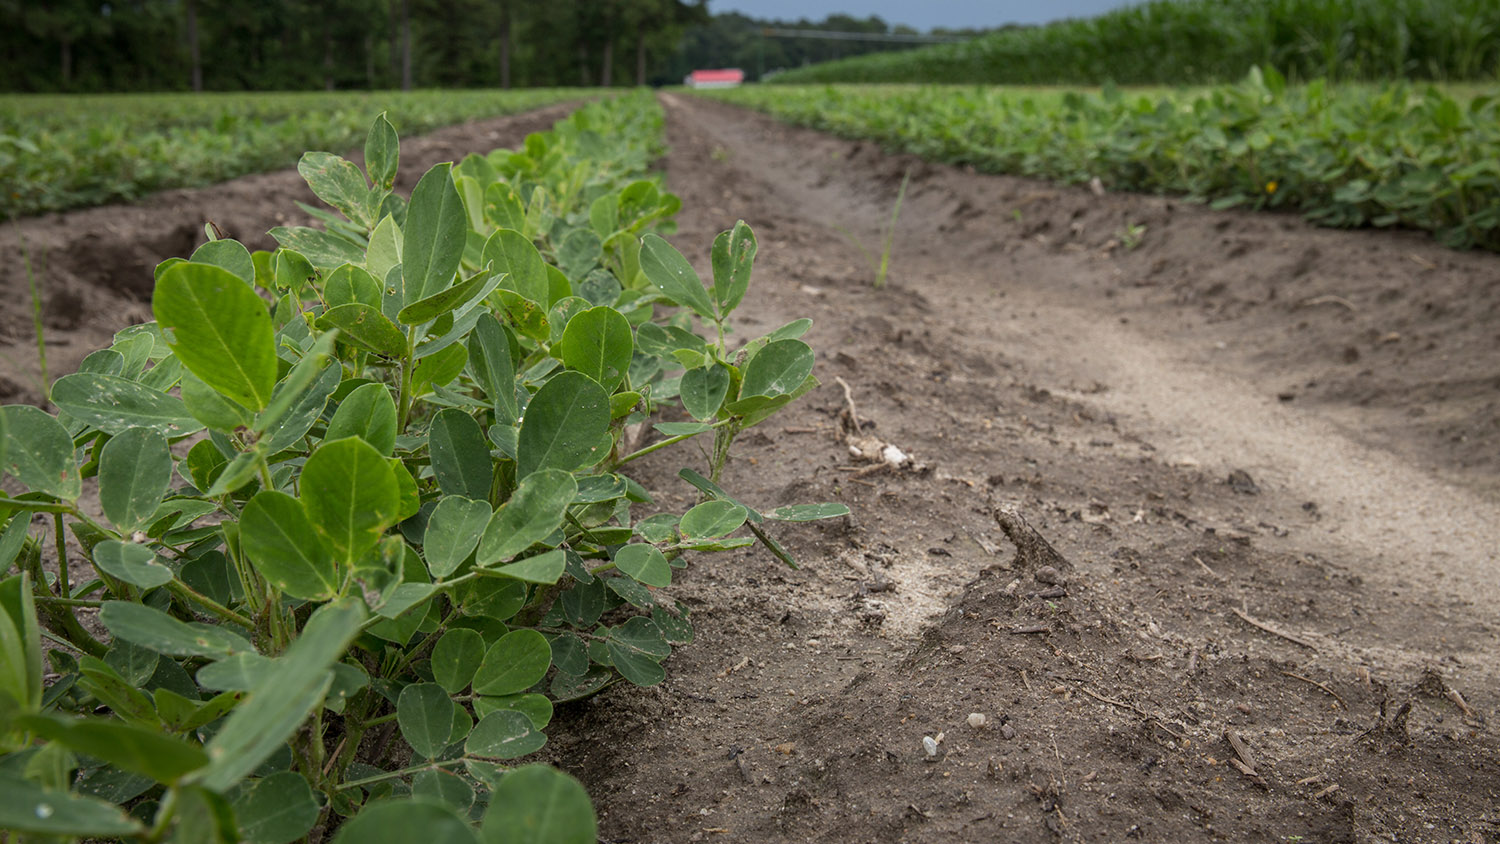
(1192, 541)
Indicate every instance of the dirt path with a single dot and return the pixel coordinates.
(1346, 578)
(1307, 652)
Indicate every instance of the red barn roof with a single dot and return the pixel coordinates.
(723, 76)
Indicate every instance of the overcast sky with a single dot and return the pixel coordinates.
(923, 14)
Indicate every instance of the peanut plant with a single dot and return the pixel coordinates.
(365, 519)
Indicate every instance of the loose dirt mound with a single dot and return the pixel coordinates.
(1271, 611)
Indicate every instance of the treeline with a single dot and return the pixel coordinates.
(1172, 42)
(735, 40)
(283, 45)
(231, 45)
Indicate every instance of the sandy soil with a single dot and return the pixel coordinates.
(1263, 458)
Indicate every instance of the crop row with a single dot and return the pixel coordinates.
(61, 152)
(1186, 42)
(1343, 155)
(376, 485)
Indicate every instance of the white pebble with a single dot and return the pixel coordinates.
(930, 745)
(976, 719)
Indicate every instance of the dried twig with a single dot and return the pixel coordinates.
(1313, 682)
(1325, 792)
(1211, 573)
(1328, 300)
(849, 403)
(1030, 628)
(1156, 719)
(1244, 761)
(1261, 625)
(1458, 701)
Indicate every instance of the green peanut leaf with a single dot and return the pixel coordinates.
(405, 821)
(733, 257)
(455, 658)
(544, 568)
(114, 404)
(212, 408)
(319, 248)
(277, 706)
(39, 452)
(367, 328)
(27, 807)
(564, 425)
(636, 649)
(153, 629)
(238, 673)
(536, 804)
(671, 273)
(460, 455)
(512, 253)
(20, 638)
(220, 330)
(300, 397)
(384, 252)
(515, 663)
(598, 342)
(134, 748)
(645, 563)
(351, 496)
(436, 228)
(504, 734)
(280, 541)
(453, 530)
(425, 714)
(448, 299)
(534, 706)
(278, 809)
(778, 369)
(535, 510)
(712, 519)
(704, 390)
(439, 368)
(382, 153)
(489, 357)
(135, 469)
(349, 284)
(443, 787)
(368, 413)
(338, 183)
(229, 254)
(134, 564)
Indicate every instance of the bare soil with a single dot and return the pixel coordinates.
(1261, 461)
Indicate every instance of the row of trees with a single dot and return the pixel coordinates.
(114, 45)
(146, 45)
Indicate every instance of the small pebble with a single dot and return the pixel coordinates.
(1007, 731)
(930, 745)
(976, 719)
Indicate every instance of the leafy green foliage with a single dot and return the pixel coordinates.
(426, 523)
(81, 151)
(1184, 42)
(1344, 156)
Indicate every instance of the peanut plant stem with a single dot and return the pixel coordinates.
(64, 585)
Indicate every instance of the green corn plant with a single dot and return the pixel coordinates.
(371, 485)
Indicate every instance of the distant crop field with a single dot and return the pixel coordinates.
(1175, 42)
(59, 152)
(1344, 155)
